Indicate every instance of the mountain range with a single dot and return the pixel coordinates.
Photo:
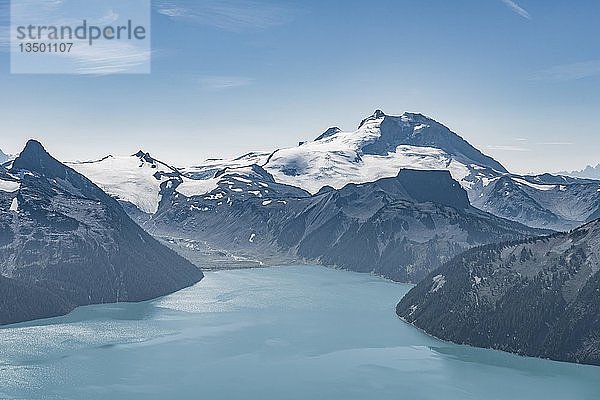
(380, 147)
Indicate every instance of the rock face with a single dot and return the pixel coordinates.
(537, 297)
(400, 227)
(64, 243)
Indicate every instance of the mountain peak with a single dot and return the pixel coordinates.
(328, 133)
(376, 115)
(34, 145)
(144, 156)
(35, 158)
(416, 129)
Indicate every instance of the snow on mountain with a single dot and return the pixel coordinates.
(317, 164)
(380, 147)
(241, 183)
(204, 178)
(9, 185)
(209, 168)
(8, 182)
(136, 179)
(141, 180)
(3, 157)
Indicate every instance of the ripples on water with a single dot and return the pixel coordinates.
(275, 333)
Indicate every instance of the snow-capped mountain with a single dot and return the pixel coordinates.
(64, 243)
(141, 180)
(589, 172)
(380, 147)
(136, 179)
(536, 297)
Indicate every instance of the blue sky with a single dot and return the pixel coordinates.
(520, 80)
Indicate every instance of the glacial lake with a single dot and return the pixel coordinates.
(300, 332)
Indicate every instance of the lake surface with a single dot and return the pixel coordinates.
(274, 333)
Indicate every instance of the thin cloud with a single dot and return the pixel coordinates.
(517, 9)
(230, 15)
(556, 143)
(113, 58)
(569, 72)
(224, 82)
(505, 148)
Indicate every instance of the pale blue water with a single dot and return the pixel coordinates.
(276, 333)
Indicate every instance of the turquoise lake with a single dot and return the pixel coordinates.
(300, 332)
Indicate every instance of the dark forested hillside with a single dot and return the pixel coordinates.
(538, 297)
(65, 243)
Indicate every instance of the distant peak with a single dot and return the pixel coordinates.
(376, 115)
(34, 150)
(144, 156)
(141, 153)
(242, 157)
(329, 132)
(34, 145)
(3, 156)
(36, 159)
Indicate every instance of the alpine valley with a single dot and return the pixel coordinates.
(402, 197)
